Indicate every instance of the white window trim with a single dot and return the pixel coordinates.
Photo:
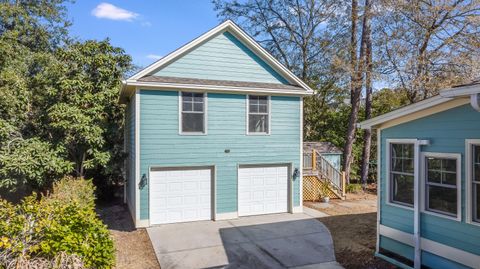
(269, 131)
(387, 166)
(469, 180)
(423, 178)
(205, 114)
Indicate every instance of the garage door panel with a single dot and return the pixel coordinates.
(186, 197)
(262, 190)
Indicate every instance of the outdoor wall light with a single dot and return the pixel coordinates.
(296, 173)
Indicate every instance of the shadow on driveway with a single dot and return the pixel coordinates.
(269, 241)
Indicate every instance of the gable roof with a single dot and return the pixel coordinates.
(145, 79)
(445, 96)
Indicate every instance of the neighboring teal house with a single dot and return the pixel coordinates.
(429, 203)
(213, 131)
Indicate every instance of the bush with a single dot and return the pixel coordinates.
(62, 223)
(354, 188)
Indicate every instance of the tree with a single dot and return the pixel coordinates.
(367, 136)
(29, 32)
(357, 68)
(428, 45)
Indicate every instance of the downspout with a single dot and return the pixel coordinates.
(475, 101)
(417, 262)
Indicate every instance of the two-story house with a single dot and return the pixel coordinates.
(213, 131)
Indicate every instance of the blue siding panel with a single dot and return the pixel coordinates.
(223, 57)
(161, 144)
(428, 259)
(447, 132)
(130, 139)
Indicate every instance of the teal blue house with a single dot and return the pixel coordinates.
(213, 131)
(429, 181)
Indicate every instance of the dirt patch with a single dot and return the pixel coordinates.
(133, 247)
(353, 224)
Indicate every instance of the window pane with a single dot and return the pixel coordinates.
(198, 107)
(262, 100)
(450, 178)
(449, 165)
(476, 202)
(408, 151)
(263, 108)
(476, 173)
(187, 106)
(434, 164)
(192, 122)
(253, 108)
(396, 150)
(258, 123)
(442, 199)
(198, 97)
(476, 154)
(187, 96)
(434, 176)
(397, 165)
(408, 166)
(402, 189)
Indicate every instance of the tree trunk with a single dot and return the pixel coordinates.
(356, 84)
(367, 136)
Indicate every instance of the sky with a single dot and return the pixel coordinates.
(147, 30)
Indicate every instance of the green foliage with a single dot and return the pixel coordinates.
(354, 188)
(58, 99)
(31, 162)
(63, 222)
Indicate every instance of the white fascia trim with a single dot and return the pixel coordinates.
(410, 109)
(461, 91)
(448, 252)
(468, 185)
(227, 89)
(227, 25)
(226, 216)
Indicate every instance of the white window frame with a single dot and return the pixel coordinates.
(423, 193)
(388, 197)
(469, 180)
(205, 114)
(247, 105)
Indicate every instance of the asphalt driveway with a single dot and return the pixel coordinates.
(267, 241)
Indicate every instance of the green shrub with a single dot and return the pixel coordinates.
(354, 188)
(57, 223)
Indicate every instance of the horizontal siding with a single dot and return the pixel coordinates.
(130, 126)
(223, 57)
(428, 259)
(447, 132)
(161, 145)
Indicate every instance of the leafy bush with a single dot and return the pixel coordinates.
(62, 223)
(354, 188)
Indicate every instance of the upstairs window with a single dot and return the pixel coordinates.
(192, 113)
(258, 114)
(401, 173)
(442, 184)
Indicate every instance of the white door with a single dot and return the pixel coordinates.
(262, 190)
(180, 195)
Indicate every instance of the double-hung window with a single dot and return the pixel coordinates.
(401, 173)
(258, 114)
(192, 113)
(473, 166)
(442, 183)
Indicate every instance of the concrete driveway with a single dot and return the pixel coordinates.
(267, 241)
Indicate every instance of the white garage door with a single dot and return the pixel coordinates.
(262, 190)
(180, 195)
